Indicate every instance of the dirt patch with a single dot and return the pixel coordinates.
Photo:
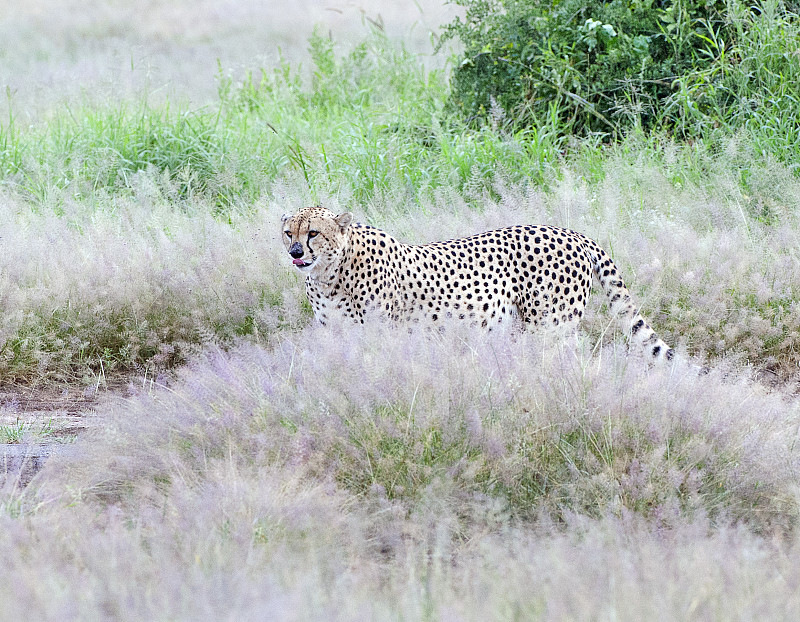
(38, 421)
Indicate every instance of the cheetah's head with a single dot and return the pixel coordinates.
(315, 238)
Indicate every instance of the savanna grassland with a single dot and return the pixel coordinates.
(241, 462)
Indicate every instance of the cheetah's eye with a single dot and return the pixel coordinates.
(288, 234)
(312, 234)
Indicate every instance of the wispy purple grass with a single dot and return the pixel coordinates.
(136, 283)
(373, 473)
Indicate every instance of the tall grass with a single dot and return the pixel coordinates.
(133, 285)
(704, 232)
(544, 430)
(749, 87)
(90, 51)
(141, 279)
(377, 474)
(364, 125)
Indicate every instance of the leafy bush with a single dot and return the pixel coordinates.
(583, 66)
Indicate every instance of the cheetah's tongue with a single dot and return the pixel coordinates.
(299, 262)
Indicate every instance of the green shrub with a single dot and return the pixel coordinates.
(586, 67)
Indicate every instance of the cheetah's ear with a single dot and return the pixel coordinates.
(344, 220)
(285, 217)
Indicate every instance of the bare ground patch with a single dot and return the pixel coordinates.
(37, 421)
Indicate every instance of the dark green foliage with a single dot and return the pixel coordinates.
(602, 67)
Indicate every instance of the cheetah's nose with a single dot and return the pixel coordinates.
(296, 250)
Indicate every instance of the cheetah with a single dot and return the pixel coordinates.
(539, 274)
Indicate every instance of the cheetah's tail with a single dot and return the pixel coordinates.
(622, 307)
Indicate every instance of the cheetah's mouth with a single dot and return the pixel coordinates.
(302, 263)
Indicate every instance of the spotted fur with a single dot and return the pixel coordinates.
(539, 274)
